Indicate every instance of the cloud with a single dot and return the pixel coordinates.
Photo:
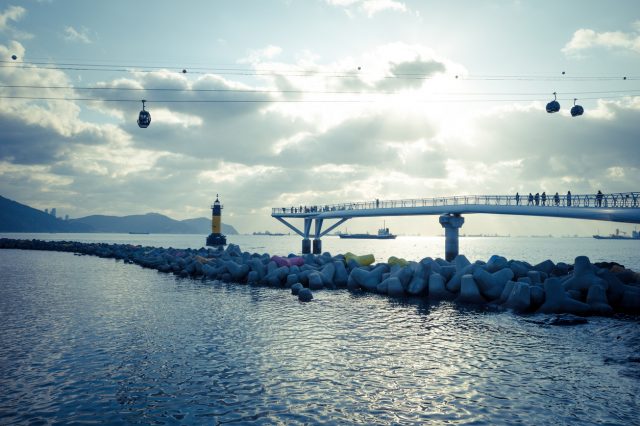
(584, 39)
(77, 36)
(13, 13)
(370, 7)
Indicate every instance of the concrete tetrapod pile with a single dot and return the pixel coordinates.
(547, 287)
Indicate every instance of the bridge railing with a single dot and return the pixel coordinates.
(617, 200)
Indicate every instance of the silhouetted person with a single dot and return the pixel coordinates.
(544, 198)
(530, 199)
(537, 198)
(568, 198)
(599, 198)
(377, 203)
(517, 199)
(556, 199)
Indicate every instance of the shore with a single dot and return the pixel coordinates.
(581, 288)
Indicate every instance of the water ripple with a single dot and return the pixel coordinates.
(87, 339)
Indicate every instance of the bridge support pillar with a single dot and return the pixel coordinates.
(451, 224)
(306, 246)
(317, 246)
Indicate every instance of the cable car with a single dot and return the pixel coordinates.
(554, 105)
(144, 118)
(576, 110)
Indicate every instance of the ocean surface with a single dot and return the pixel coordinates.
(90, 340)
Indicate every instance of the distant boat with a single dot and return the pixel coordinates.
(383, 234)
(271, 234)
(635, 235)
(139, 233)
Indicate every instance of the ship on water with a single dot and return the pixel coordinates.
(383, 234)
(635, 235)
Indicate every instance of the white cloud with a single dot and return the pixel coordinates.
(584, 39)
(258, 55)
(13, 13)
(370, 7)
(78, 36)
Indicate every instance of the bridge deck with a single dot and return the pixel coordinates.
(617, 207)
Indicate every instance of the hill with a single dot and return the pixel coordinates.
(16, 217)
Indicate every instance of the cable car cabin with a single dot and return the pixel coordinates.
(144, 119)
(554, 105)
(576, 110)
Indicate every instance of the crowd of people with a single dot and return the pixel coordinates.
(541, 199)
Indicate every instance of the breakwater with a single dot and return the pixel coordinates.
(581, 288)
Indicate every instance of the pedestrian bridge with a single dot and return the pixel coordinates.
(615, 207)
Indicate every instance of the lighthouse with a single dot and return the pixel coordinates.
(216, 239)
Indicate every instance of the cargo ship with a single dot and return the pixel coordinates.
(383, 234)
(635, 235)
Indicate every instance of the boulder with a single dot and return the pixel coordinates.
(341, 275)
(496, 263)
(535, 277)
(506, 292)
(537, 296)
(315, 281)
(394, 287)
(437, 289)
(558, 302)
(469, 292)
(583, 276)
(418, 286)
(519, 269)
(397, 261)
(520, 298)
(462, 268)
(305, 295)
(547, 267)
(292, 279)
(630, 300)
(327, 272)
(597, 299)
(363, 260)
(253, 277)
(295, 289)
(492, 285)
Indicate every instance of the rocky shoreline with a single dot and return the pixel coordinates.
(551, 288)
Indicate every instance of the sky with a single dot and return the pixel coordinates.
(313, 102)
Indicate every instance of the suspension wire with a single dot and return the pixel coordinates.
(172, 89)
(200, 101)
(299, 73)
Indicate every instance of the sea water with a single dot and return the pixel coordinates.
(85, 339)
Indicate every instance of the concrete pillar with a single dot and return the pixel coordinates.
(317, 246)
(306, 246)
(451, 225)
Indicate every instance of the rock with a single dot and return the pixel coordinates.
(615, 289)
(535, 277)
(506, 292)
(525, 280)
(315, 281)
(341, 275)
(546, 267)
(305, 295)
(404, 274)
(327, 272)
(469, 292)
(520, 298)
(257, 266)
(394, 287)
(397, 261)
(383, 287)
(519, 269)
(253, 277)
(418, 286)
(447, 272)
(292, 279)
(597, 299)
(537, 296)
(363, 260)
(583, 276)
(437, 289)
(492, 285)
(558, 302)
(295, 289)
(496, 263)
(630, 300)
(464, 268)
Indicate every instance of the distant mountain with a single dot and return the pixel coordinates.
(202, 225)
(16, 217)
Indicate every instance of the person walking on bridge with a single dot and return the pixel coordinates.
(537, 198)
(517, 199)
(568, 198)
(556, 199)
(599, 198)
(544, 198)
(530, 201)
